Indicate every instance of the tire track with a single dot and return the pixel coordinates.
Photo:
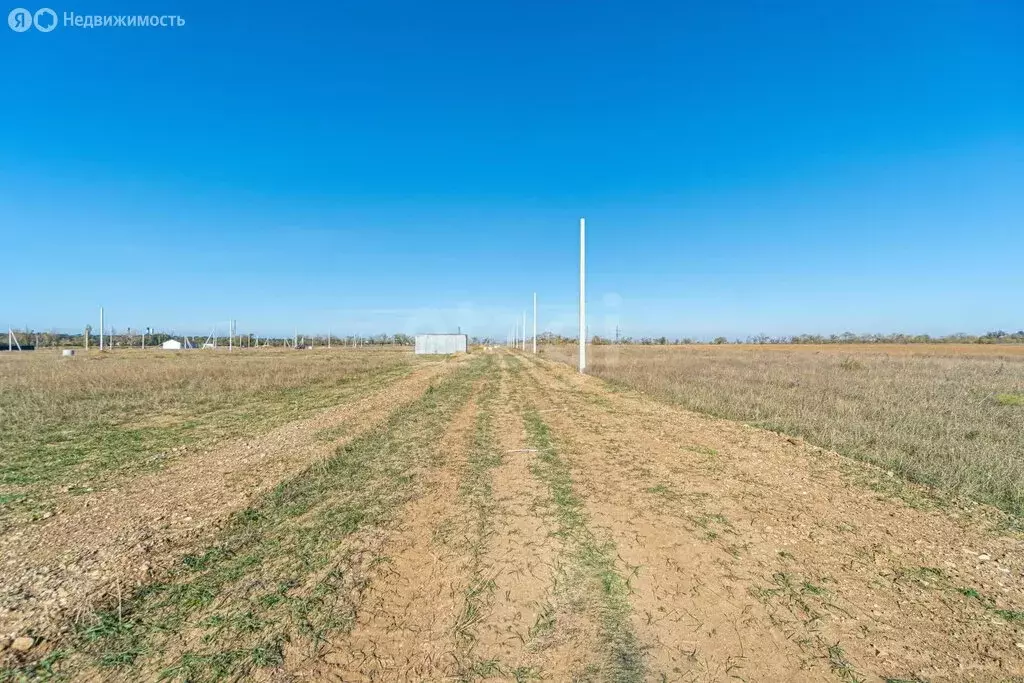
(694, 620)
(526, 632)
(406, 622)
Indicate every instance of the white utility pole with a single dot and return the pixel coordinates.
(535, 323)
(583, 296)
(231, 335)
(101, 328)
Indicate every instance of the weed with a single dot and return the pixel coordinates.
(840, 666)
(1010, 615)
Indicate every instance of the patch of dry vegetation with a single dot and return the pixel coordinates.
(946, 420)
(71, 425)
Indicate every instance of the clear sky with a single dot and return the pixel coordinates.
(745, 168)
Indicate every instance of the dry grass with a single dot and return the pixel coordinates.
(68, 425)
(937, 416)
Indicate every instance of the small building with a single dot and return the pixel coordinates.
(441, 344)
(171, 345)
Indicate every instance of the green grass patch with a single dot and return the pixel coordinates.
(1010, 399)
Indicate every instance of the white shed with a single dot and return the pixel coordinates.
(441, 343)
(171, 345)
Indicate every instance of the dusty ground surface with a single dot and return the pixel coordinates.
(541, 525)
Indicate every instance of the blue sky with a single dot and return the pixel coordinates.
(389, 166)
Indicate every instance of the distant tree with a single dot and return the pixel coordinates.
(720, 340)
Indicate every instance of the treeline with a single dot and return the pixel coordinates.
(134, 339)
(996, 337)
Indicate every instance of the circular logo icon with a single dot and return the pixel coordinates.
(45, 20)
(19, 20)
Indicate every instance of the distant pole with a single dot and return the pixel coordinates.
(296, 345)
(231, 335)
(535, 323)
(328, 337)
(583, 296)
(101, 328)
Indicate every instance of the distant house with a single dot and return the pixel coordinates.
(171, 345)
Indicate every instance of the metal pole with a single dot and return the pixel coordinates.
(535, 323)
(583, 296)
(101, 328)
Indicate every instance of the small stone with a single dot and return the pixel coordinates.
(984, 558)
(1020, 645)
(22, 644)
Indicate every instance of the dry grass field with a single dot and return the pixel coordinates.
(371, 516)
(80, 424)
(950, 416)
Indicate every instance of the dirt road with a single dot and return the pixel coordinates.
(515, 520)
